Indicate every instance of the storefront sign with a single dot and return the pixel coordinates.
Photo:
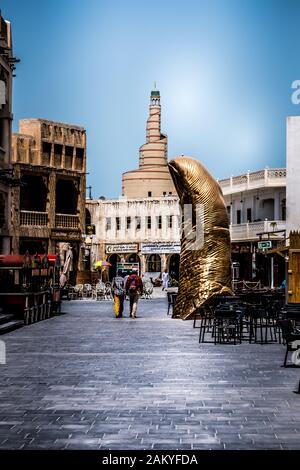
(157, 248)
(56, 235)
(90, 229)
(264, 245)
(122, 248)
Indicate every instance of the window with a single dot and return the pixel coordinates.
(249, 215)
(238, 216)
(148, 219)
(154, 264)
(128, 223)
(170, 221)
(108, 223)
(164, 193)
(58, 155)
(170, 193)
(117, 223)
(159, 222)
(283, 209)
(88, 218)
(46, 153)
(138, 223)
(149, 193)
(79, 158)
(68, 156)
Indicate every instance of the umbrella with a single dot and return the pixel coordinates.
(101, 265)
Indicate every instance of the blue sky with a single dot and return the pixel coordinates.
(224, 69)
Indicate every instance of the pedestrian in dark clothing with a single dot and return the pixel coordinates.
(134, 288)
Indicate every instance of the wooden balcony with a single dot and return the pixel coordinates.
(33, 218)
(66, 221)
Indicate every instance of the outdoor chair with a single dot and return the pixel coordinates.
(206, 317)
(79, 290)
(108, 291)
(171, 301)
(87, 291)
(289, 335)
(226, 326)
(264, 328)
(99, 292)
(72, 294)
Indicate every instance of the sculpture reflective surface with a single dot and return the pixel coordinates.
(205, 269)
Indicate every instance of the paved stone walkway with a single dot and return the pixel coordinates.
(85, 380)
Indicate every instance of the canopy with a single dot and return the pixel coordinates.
(17, 261)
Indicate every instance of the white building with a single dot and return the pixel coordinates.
(147, 230)
(139, 230)
(293, 172)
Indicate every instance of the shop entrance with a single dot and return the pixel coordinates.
(174, 266)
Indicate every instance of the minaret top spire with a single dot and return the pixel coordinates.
(155, 96)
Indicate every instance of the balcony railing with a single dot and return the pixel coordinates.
(257, 179)
(250, 230)
(66, 221)
(33, 218)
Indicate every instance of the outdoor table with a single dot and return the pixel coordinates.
(24, 302)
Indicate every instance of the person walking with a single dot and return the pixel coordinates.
(134, 288)
(165, 279)
(118, 290)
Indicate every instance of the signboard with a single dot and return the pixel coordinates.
(160, 248)
(67, 235)
(264, 245)
(90, 229)
(122, 248)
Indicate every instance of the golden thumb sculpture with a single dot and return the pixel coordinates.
(205, 260)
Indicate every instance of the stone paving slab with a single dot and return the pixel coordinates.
(85, 380)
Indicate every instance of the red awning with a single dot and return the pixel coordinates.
(16, 261)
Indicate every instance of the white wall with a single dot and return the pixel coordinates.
(293, 173)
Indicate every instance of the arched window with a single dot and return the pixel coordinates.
(88, 218)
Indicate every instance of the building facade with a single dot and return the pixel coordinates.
(6, 73)
(144, 231)
(48, 209)
(152, 178)
(147, 230)
(293, 172)
(256, 205)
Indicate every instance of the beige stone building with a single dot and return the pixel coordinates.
(48, 209)
(147, 230)
(152, 178)
(6, 73)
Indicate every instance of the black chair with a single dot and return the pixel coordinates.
(227, 325)
(207, 319)
(171, 301)
(289, 335)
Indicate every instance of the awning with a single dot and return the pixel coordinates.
(17, 261)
